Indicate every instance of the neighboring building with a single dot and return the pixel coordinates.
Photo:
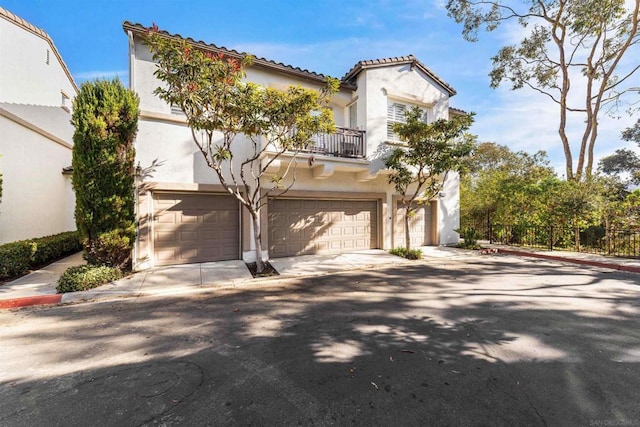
(341, 200)
(36, 91)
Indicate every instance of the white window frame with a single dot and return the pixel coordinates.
(396, 114)
(352, 113)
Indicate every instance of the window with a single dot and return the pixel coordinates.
(396, 114)
(175, 109)
(353, 116)
(66, 102)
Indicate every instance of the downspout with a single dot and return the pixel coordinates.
(136, 185)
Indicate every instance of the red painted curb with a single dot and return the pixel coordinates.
(612, 266)
(27, 301)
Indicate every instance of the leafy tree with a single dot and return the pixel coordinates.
(432, 150)
(569, 45)
(503, 186)
(632, 134)
(624, 162)
(626, 213)
(105, 116)
(242, 129)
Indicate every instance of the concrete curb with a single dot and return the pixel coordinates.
(619, 267)
(94, 295)
(29, 301)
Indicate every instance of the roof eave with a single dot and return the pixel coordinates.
(359, 67)
(257, 62)
(39, 32)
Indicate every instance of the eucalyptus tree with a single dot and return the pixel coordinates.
(569, 47)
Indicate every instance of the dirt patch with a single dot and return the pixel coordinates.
(267, 272)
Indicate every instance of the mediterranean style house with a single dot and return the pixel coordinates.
(341, 200)
(36, 92)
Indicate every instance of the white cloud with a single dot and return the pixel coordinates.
(523, 120)
(92, 75)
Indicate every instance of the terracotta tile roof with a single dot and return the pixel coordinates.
(27, 26)
(398, 60)
(347, 82)
(257, 62)
(453, 110)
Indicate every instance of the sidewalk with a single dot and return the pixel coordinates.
(592, 260)
(39, 287)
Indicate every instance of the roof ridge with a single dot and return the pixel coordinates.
(22, 22)
(380, 62)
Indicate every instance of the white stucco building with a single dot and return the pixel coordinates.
(36, 91)
(341, 200)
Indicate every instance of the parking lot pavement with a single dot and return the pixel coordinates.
(495, 340)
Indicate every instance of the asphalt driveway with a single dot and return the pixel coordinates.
(492, 340)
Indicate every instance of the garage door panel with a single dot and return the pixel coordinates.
(299, 227)
(195, 228)
(419, 226)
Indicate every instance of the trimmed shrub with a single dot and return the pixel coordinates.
(408, 254)
(112, 249)
(105, 117)
(51, 248)
(83, 277)
(21, 256)
(16, 258)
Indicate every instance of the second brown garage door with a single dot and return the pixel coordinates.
(420, 229)
(190, 228)
(302, 227)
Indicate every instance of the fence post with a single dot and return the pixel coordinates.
(551, 237)
(490, 227)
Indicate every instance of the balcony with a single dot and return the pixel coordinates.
(344, 142)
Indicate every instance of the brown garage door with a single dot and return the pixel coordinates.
(419, 226)
(301, 227)
(195, 228)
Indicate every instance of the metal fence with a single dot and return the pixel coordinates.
(596, 240)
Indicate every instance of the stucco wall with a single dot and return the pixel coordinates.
(449, 210)
(403, 83)
(37, 200)
(25, 76)
(164, 139)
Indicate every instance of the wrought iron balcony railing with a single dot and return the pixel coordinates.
(344, 142)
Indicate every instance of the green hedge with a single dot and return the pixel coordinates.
(18, 257)
(83, 277)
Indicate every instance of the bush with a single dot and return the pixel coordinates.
(18, 257)
(408, 254)
(83, 277)
(470, 238)
(105, 117)
(112, 249)
(51, 248)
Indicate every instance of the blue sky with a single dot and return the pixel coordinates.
(328, 37)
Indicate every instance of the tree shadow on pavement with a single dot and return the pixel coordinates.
(455, 343)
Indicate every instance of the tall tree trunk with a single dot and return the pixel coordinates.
(407, 234)
(257, 239)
